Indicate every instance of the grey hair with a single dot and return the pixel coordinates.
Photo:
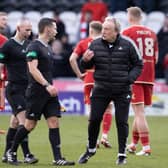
(115, 21)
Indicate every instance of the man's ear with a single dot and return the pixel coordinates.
(18, 28)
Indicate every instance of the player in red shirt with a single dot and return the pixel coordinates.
(3, 39)
(94, 32)
(142, 89)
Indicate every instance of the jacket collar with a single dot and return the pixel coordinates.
(114, 43)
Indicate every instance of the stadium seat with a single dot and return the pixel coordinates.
(122, 17)
(48, 14)
(13, 17)
(155, 20)
(144, 18)
(71, 22)
(34, 17)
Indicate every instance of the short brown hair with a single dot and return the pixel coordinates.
(135, 11)
(96, 26)
(44, 22)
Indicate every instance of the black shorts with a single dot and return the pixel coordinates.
(15, 94)
(40, 102)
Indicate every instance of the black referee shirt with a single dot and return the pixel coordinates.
(43, 53)
(13, 55)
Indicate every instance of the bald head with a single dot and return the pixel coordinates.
(23, 21)
(23, 29)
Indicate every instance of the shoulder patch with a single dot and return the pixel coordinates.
(32, 54)
(1, 56)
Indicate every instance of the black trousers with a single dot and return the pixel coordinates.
(99, 102)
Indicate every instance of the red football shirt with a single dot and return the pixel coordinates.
(3, 39)
(80, 48)
(147, 43)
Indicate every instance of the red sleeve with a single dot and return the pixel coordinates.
(3, 39)
(82, 46)
(78, 49)
(126, 32)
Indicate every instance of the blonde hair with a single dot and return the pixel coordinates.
(116, 23)
(135, 12)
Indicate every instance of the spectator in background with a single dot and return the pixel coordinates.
(66, 46)
(4, 28)
(60, 25)
(162, 66)
(84, 26)
(98, 9)
(3, 24)
(61, 67)
(92, 10)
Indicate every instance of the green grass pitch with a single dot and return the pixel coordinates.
(74, 139)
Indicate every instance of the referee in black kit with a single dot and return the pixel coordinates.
(13, 56)
(41, 94)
